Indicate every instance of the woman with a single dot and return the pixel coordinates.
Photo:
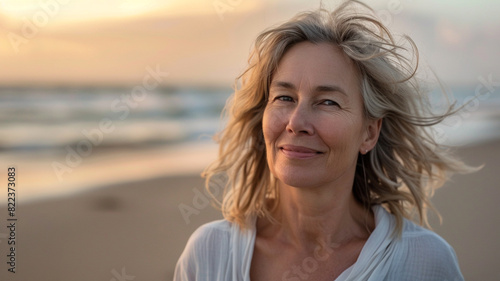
(328, 159)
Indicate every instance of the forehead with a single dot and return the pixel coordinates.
(310, 64)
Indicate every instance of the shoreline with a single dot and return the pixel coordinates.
(137, 226)
(40, 180)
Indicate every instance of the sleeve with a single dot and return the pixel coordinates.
(430, 258)
(203, 256)
(185, 270)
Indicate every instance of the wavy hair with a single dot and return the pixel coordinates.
(406, 164)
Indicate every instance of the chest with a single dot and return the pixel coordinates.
(272, 262)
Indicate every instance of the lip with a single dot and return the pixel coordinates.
(299, 152)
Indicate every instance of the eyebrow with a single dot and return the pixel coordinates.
(320, 88)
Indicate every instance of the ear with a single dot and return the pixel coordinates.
(372, 132)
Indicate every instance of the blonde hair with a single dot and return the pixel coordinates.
(405, 166)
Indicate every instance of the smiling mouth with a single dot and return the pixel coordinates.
(299, 152)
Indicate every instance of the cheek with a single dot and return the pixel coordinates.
(339, 134)
(273, 124)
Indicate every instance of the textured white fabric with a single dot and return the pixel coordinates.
(221, 251)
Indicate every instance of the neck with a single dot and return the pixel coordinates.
(328, 216)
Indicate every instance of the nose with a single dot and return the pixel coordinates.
(299, 122)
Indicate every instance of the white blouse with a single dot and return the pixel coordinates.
(221, 251)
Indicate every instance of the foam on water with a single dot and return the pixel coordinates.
(165, 134)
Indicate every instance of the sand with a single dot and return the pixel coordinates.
(135, 230)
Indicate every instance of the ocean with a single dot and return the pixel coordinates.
(37, 119)
(66, 139)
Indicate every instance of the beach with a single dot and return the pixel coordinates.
(111, 110)
(135, 230)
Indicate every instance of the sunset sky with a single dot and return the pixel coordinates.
(85, 42)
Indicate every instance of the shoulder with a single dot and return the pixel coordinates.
(208, 240)
(426, 242)
(210, 234)
(424, 255)
(206, 250)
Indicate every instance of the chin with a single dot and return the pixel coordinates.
(298, 179)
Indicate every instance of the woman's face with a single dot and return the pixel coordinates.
(313, 123)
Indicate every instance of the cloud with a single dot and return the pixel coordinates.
(199, 48)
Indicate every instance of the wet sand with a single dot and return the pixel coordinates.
(137, 231)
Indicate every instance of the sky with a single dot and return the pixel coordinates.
(207, 42)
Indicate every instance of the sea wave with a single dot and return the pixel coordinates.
(165, 134)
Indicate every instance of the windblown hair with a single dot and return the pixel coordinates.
(406, 164)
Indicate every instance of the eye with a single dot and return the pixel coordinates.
(284, 98)
(330, 103)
